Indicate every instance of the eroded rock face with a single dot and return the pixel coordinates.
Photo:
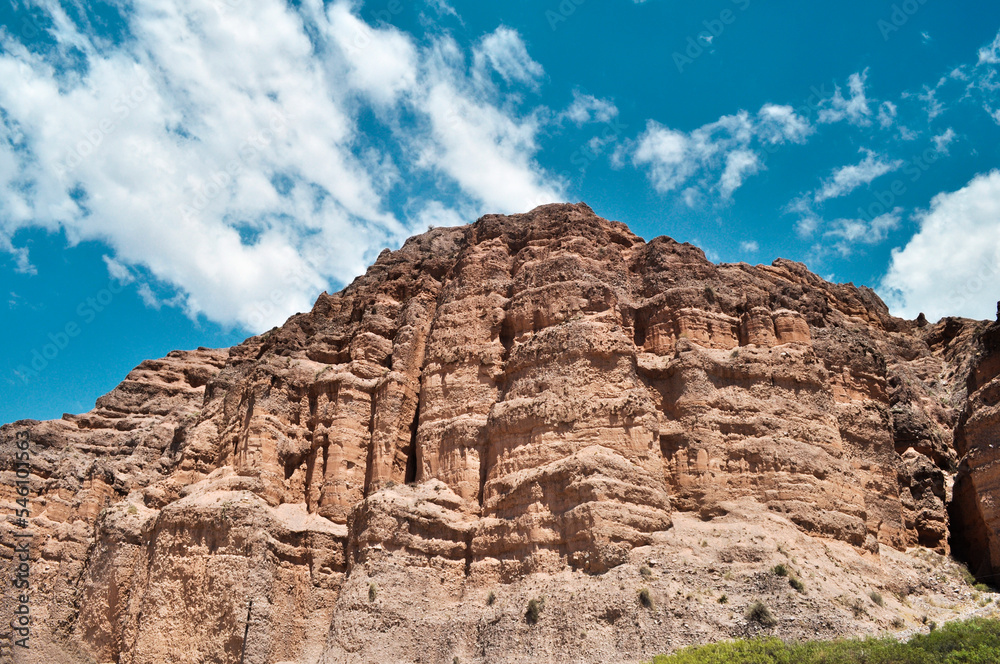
(527, 394)
(977, 486)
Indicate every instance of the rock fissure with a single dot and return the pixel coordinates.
(526, 401)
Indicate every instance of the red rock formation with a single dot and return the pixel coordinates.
(532, 393)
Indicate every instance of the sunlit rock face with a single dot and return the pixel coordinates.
(526, 394)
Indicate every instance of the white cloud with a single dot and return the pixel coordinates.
(739, 165)
(381, 63)
(666, 153)
(855, 110)
(588, 108)
(721, 154)
(850, 232)
(778, 124)
(951, 266)
(990, 54)
(504, 51)
(749, 247)
(846, 179)
(942, 141)
(886, 114)
(218, 151)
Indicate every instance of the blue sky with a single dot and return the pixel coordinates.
(178, 174)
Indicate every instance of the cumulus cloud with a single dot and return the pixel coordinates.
(588, 108)
(225, 164)
(951, 266)
(942, 141)
(749, 247)
(846, 179)
(719, 155)
(854, 109)
(990, 54)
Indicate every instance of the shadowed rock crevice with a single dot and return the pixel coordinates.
(494, 406)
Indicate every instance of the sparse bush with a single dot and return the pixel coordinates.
(857, 608)
(967, 576)
(534, 610)
(760, 614)
(645, 572)
(780, 570)
(898, 623)
(876, 597)
(132, 509)
(723, 598)
(645, 599)
(491, 598)
(372, 591)
(797, 584)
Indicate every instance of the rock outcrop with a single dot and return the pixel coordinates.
(539, 394)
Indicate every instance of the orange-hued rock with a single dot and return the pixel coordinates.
(523, 402)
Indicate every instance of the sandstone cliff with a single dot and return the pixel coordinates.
(538, 405)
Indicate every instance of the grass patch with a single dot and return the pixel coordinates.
(760, 614)
(974, 641)
(797, 584)
(780, 570)
(876, 597)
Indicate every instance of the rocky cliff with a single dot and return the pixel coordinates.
(539, 406)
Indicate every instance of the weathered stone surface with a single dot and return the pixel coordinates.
(977, 487)
(529, 397)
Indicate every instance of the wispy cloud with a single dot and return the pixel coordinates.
(854, 109)
(846, 179)
(588, 108)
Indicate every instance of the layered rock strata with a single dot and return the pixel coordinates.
(527, 394)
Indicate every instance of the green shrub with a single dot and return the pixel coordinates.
(645, 599)
(780, 570)
(723, 598)
(491, 598)
(876, 597)
(372, 591)
(534, 610)
(974, 641)
(760, 614)
(796, 583)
